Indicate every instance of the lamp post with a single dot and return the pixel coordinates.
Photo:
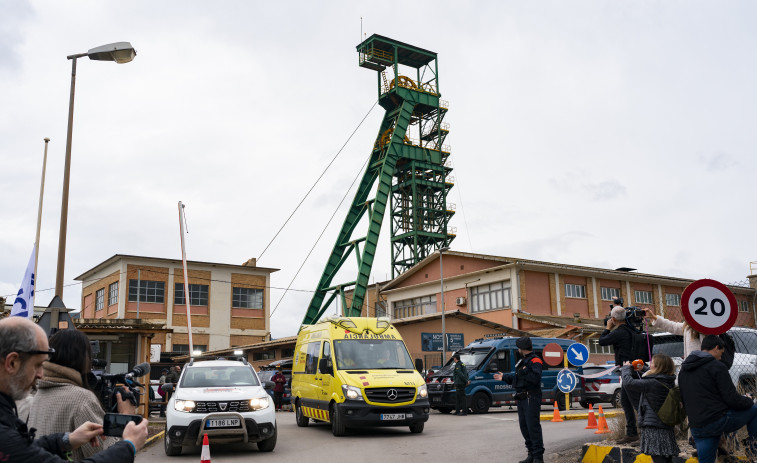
(441, 280)
(120, 52)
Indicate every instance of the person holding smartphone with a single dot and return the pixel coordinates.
(64, 382)
(23, 351)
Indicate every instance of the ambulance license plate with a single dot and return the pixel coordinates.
(392, 416)
(227, 423)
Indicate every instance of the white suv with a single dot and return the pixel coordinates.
(223, 399)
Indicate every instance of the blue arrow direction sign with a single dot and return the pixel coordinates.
(566, 381)
(578, 354)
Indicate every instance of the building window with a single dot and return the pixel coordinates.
(415, 306)
(490, 297)
(609, 294)
(113, 293)
(99, 299)
(743, 306)
(185, 348)
(286, 353)
(247, 298)
(198, 295)
(380, 308)
(595, 348)
(673, 300)
(643, 297)
(149, 291)
(265, 355)
(578, 291)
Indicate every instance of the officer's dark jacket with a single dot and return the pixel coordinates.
(460, 374)
(654, 393)
(18, 445)
(621, 338)
(707, 390)
(527, 377)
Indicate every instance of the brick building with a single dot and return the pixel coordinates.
(230, 304)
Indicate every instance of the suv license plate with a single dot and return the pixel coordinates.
(393, 416)
(222, 423)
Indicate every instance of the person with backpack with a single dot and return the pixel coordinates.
(620, 336)
(658, 439)
(712, 403)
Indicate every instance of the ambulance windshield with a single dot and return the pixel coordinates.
(371, 354)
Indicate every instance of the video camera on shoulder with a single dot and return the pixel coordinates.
(634, 315)
(108, 385)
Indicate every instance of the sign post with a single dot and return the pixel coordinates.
(709, 306)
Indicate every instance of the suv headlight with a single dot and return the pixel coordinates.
(422, 391)
(259, 403)
(184, 405)
(352, 392)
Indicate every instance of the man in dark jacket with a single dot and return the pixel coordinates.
(23, 349)
(620, 336)
(712, 403)
(460, 379)
(527, 383)
(279, 381)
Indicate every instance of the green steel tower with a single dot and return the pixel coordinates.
(406, 172)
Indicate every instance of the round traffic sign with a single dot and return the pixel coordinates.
(578, 354)
(709, 306)
(552, 354)
(566, 380)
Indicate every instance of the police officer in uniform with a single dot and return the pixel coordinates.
(527, 383)
(460, 378)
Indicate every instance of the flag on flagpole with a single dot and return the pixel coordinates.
(23, 306)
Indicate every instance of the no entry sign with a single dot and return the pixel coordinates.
(709, 306)
(552, 354)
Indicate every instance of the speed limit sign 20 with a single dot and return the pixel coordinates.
(709, 306)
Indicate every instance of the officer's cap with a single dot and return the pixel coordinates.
(524, 343)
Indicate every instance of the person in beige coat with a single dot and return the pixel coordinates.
(64, 400)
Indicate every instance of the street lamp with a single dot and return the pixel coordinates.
(120, 52)
(441, 280)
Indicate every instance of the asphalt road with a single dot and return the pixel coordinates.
(446, 438)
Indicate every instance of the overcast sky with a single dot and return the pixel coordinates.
(592, 133)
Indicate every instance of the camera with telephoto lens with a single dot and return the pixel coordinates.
(108, 385)
(635, 317)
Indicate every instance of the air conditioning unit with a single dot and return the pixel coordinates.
(460, 301)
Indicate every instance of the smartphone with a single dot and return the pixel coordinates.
(114, 423)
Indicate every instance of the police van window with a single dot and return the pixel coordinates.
(502, 359)
(311, 361)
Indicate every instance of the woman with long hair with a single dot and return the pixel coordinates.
(658, 440)
(64, 400)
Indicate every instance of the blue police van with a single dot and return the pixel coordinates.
(484, 357)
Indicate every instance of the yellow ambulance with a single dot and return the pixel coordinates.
(357, 372)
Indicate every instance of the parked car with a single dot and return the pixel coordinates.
(604, 389)
(223, 399)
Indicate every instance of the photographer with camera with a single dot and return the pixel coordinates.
(64, 382)
(620, 335)
(23, 350)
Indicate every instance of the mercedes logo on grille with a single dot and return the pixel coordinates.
(391, 394)
(222, 406)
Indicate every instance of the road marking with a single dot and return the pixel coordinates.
(498, 419)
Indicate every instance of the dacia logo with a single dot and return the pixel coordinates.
(222, 406)
(391, 394)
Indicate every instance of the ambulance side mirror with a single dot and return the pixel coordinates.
(419, 365)
(325, 367)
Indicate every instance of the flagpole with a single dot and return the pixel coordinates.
(186, 277)
(39, 218)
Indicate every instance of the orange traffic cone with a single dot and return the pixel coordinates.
(592, 424)
(556, 414)
(205, 455)
(602, 426)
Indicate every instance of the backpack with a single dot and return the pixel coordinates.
(730, 349)
(672, 412)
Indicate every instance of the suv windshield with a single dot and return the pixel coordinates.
(371, 354)
(219, 376)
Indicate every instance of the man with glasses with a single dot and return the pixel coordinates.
(23, 350)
